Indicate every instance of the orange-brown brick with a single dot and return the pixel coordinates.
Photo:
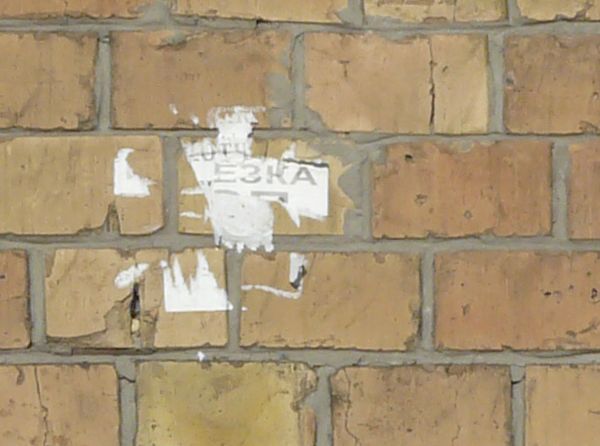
(560, 9)
(14, 300)
(49, 82)
(461, 189)
(346, 300)
(71, 8)
(59, 405)
(434, 10)
(521, 300)
(551, 84)
(190, 74)
(421, 406)
(584, 184)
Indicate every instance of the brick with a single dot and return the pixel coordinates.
(219, 403)
(530, 301)
(59, 405)
(436, 10)
(98, 9)
(567, 101)
(358, 300)
(85, 307)
(584, 205)
(190, 74)
(49, 83)
(320, 11)
(192, 207)
(14, 300)
(421, 406)
(65, 185)
(561, 407)
(560, 9)
(460, 189)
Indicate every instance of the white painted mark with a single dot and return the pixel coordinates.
(129, 276)
(126, 182)
(195, 120)
(297, 271)
(173, 109)
(201, 356)
(190, 214)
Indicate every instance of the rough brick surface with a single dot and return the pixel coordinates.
(584, 181)
(71, 8)
(59, 405)
(230, 404)
(520, 300)
(435, 10)
(560, 9)
(358, 300)
(551, 84)
(235, 68)
(417, 406)
(14, 300)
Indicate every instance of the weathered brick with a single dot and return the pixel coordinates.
(438, 10)
(218, 403)
(359, 300)
(14, 300)
(520, 300)
(85, 307)
(49, 82)
(551, 84)
(59, 405)
(562, 405)
(460, 189)
(560, 9)
(71, 8)
(292, 10)
(421, 406)
(66, 185)
(190, 74)
(584, 181)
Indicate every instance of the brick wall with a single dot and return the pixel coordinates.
(449, 297)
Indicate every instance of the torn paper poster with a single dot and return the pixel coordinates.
(240, 189)
(126, 182)
(128, 277)
(298, 269)
(198, 292)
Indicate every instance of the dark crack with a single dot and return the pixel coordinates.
(43, 408)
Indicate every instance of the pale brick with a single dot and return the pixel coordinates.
(584, 182)
(65, 185)
(59, 405)
(560, 9)
(421, 406)
(192, 404)
(190, 74)
(520, 300)
(460, 189)
(85, 307)
(49, 82)
(71, 8)
(358, 300)
(551, 84)
(438, 10)
(14, 300)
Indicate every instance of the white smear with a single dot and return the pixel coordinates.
(129, 276)
(190, 214)
(298, 267)
(195, 120)
(200, 292)
(126, 182)
(173, 109)
(201, 356)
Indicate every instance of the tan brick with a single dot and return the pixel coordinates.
(65, 185)
(584, 203)
(190, 74)
(49, 83)
(292, 10)
(421, 406)
(359, 300)
(438, 10)
(560, 9)
(561, 407)
(230, 404)
(59, 405)
(460, 189)
(14, 300)
(193, 207)
(71, 8)
(85, 307)
(551, 84)
(520, 300)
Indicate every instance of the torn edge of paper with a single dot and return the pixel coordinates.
(129, 276)
(126, 183)
(297, 270)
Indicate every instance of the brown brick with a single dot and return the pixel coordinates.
(551, 84)
(520, 300)
(65, 185)
(584, 182)
(190, 74)
(460, 189)
(359, 300)
(49, 83)
(435, 10)
(85, 307)
(59, 405)
(562, 405)
(560, 9)
(14, 300)
(71, 8)
(422, 406)
(291, 10)
(230, 404)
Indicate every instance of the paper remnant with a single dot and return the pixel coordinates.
(128, 277)
(126, 182)
(201, 356)
(298, 269)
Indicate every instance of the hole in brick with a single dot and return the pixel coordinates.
(408, 158)
(135, 308)
(594, 295)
